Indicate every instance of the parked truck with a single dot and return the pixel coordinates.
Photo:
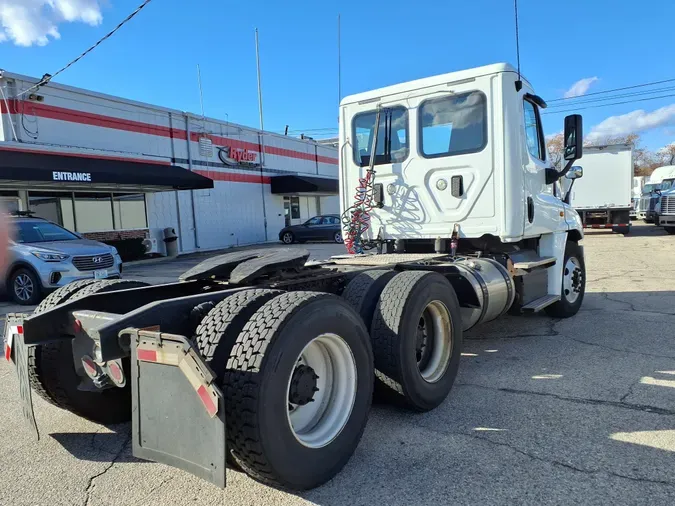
(667, 210)
(603, 197)
(652, 192)
(638, 185)
(261, 360)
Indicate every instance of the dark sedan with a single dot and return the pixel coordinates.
(319, 228)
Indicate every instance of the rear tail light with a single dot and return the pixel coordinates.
(90, 367)
(116, 373)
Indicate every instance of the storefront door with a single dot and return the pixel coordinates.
(287, 212)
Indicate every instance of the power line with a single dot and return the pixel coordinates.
(606, 105)
(47, 77)
(614, 97)
(613, 90)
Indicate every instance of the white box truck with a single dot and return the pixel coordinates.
(603, 197)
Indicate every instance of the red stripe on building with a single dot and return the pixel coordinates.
(83, 155)
(85, 118)
(234, 177)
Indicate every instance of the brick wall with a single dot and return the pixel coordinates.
(116, 235)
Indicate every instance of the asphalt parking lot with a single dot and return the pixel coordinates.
(543, 412)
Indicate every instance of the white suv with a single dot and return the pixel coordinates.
(44, 256)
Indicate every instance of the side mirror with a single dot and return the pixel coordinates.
(575, 172)
(574, 137)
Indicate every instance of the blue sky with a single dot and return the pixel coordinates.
(154, 57)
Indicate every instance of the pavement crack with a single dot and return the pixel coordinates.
(90, 482)
(579, 400)
(606, 296)
(630, 390)
(153, 490)
(553, 462)
(619, 350)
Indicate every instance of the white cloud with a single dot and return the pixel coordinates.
(35, 22)
(580, 87)
(633, 122)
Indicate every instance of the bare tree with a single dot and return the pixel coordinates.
(667, 154)
(556, 146)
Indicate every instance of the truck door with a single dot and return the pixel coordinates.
(543, 205)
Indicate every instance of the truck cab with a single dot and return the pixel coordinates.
(667, 210)
(458, 164)
(666, 185)
(465, 148)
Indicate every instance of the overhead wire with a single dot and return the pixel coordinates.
(607, 105)
(653, 83)
(48, 77)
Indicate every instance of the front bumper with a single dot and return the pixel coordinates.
(54, 275)
(667, 220)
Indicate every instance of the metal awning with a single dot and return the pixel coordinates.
(299, 184)
(82, 172)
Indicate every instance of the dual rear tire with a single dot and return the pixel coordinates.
(57, 376)
(296, 372)
(416, 334)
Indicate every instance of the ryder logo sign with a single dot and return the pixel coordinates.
(84, 177)
(234, 157)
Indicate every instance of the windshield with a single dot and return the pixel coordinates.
(667, 184)
(36, 231)
(650, 188)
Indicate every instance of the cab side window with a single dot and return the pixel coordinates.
(533, 131)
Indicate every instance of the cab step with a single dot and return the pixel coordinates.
(540, 303)
(527, 261)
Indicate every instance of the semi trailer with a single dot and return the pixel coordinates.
(603, 197)
(266, 362)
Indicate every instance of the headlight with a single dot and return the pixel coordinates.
(113, 250)
(50, 257)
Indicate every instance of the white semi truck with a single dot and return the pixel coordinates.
(263, 361)
(651, 192)
(603, 198)
(638, 185)
(667, 210)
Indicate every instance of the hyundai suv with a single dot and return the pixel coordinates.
(44, 256)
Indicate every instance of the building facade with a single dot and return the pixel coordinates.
(111, 168)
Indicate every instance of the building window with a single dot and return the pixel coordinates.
(56, 207)
(129, 211)
(295, 208)
(453, 125)
(9, 202)
(392, 136)
(93, 212)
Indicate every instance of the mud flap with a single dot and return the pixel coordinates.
(178, 416)
(17, 350)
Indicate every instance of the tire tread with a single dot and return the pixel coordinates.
(241, 388)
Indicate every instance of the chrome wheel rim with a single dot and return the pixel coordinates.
(325, 372)
(572, 280)
(338, 238)
(434, 341)
(288, 238)
(23, 287)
